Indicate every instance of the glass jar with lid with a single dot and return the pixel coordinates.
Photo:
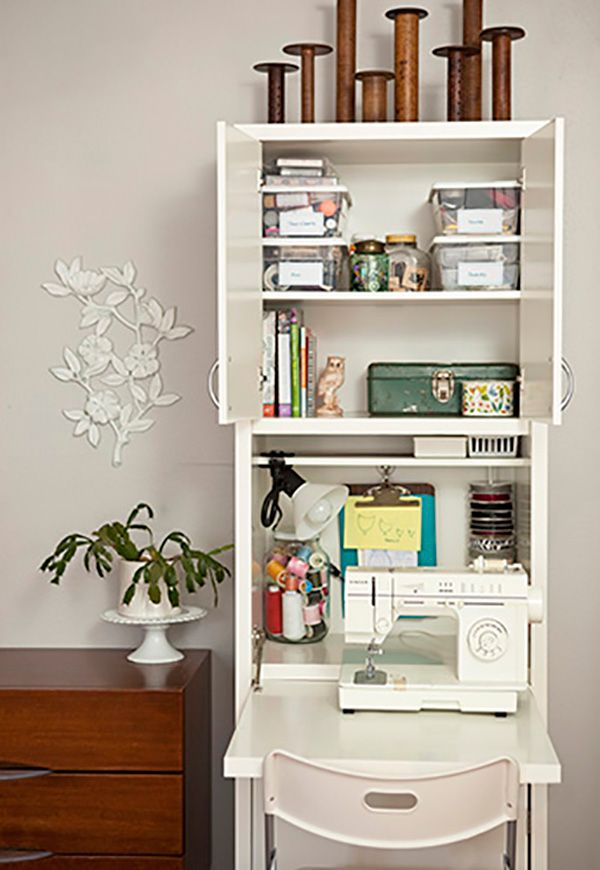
(369, 264)
(409, 267)
(296, 590)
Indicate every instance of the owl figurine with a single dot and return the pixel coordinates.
(331, 379)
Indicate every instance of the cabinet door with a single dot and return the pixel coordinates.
(240, 275)
(541, 273)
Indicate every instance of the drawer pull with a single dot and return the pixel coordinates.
(9, 774)
(15, 856)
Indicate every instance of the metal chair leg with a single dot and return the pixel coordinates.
(510, 856)
(270, 850)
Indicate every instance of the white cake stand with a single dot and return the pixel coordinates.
(155, 649)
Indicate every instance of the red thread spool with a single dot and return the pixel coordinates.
(273, 614)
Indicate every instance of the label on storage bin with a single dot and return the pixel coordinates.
(479, 220)
(300, 274)
(480, 274)
(291, 200)
(302, 222)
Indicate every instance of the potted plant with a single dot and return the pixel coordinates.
(150, 576)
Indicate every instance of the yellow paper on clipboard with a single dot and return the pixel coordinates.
(382, 528)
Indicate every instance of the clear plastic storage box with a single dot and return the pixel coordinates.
(485, 263)
(305, 264)
(480, 208)
(305, 211)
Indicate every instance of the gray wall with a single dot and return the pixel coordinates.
(108, 114)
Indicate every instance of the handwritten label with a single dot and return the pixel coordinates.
(301, 222)
(480, 274)
(300, 274)
(479, 220)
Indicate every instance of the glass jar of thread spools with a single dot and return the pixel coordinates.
(409, 268)
(369, 266)
(296, 591)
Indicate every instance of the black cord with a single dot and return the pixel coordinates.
(270, 512)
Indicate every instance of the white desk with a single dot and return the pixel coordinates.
(303, 718)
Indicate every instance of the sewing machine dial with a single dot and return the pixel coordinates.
(488, 640)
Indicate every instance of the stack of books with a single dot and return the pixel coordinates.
(289, 365)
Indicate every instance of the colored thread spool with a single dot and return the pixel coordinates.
(406, 52)
(317, 561)
(502, 39)
(298, 567)
(304, 553)
(306, 587)
(293, 622)
(273, 610)
(275, 570)
(290, 582)
(312, 614)
(280, 557)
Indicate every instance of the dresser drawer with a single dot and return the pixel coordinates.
(78, 862)
(92, 730)
(102, 814)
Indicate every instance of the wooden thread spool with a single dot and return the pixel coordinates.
(501, 39)
(472, 27)
(308, 51)
(456, 55)
(276, 73)
(374, 82)
(406, 61)
(345, 95)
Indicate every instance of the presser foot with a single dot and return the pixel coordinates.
(370, 677)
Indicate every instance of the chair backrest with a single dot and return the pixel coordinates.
(390, 813)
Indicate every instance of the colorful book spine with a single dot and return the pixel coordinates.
(269, 362)
(311, 383)
(303, 372)
(284, 369)
(295, 365)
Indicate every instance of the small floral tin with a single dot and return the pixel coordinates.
(488, 398)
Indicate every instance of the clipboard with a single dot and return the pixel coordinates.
(427, 557)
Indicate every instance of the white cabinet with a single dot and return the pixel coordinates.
(389, 169)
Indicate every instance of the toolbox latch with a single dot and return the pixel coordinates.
(442, 385)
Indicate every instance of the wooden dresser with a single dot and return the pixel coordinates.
(104, 764)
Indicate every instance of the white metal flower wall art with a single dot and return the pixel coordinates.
(118, 375)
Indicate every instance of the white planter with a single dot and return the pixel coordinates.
(141, 607)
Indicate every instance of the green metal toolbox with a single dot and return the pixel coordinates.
(429, 389)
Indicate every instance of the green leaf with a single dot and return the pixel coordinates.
(154, 593)
(137, 509)
(173, 594)
(129, 593)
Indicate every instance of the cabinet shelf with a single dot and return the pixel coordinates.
(357, 425)
(333, 461)
(429, 297)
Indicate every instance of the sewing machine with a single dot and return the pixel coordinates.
(472, 657)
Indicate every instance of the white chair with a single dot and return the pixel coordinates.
(390, 813)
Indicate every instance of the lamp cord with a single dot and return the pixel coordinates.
(270, 512)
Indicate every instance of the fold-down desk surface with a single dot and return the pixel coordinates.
(303, 718)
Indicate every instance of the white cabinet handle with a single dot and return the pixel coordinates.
(570, 387)
(210, 384)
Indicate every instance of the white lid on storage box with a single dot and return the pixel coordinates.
(474, 240)
(471, 185)
(291, 242)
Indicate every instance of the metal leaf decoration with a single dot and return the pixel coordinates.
(121, 384)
